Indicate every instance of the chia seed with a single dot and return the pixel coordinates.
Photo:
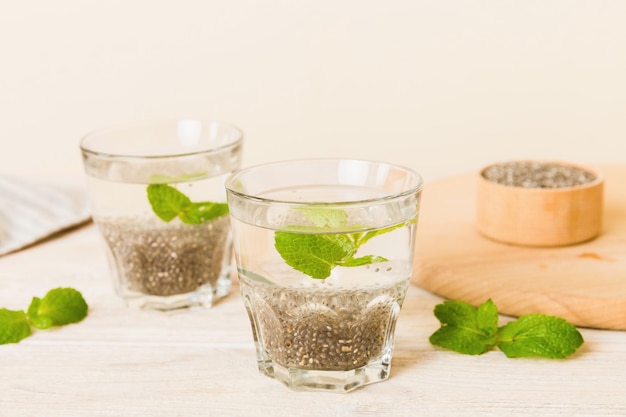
(532, 174)
(324, 330)
(158, 258)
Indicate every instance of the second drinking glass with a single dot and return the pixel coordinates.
(157, 191)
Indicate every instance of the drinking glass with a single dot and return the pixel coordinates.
(158, 200)
(324, 251)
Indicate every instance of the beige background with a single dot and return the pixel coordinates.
(440, 86)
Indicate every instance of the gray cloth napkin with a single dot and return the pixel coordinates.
(31, 212)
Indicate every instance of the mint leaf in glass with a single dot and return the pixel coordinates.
(168, 203)
(198, 213)
(465, 328)
(325, 217)
(316, 250)
(362, 238)
(363, 260)
(58, 307)
(161, 179)
(13, 326)
(539, 335)
(314, 254)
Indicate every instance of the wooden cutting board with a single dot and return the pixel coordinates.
(584, 283)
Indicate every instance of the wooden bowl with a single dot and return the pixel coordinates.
(540, 216)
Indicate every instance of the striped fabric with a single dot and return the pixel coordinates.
(30, 212)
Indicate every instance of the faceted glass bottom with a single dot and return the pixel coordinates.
(329, 381)
(206, 296)
(323, 339)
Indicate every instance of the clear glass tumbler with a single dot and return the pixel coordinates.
(324, 250)
(158, 199)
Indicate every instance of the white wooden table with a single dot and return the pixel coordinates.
(123, 362)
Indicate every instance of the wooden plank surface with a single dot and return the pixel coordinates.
(124, 362)
(583, 283)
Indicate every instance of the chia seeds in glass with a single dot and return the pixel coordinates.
(163, 259)
(324, 330)
(532, 174)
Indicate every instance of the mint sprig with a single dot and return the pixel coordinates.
(60, 306)
(315, 250)
(317, 254)
(168, 203)
(474, 330)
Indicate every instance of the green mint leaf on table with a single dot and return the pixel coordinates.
(465, 328)
(13, 326)
(539, 335)
(58, 307)
(168, 203)
(474, 330)
(316, 250)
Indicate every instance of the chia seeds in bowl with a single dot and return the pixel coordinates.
(534, 174)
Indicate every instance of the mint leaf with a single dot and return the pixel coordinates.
(313, 254)
(487, 317)
(160, 179)
(13, 326)
(363, 260)
(325, 217)
(168, 203)
(473, 330)
(198, 213)
(362, 239)
(58, 307)
(539, 335)
(315, 250)
(465, 328)
(39, 322)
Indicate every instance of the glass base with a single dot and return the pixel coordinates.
(205, 296)
(328, 381)
(332, 341)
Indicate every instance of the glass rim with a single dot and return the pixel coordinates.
(155, 122)
(415, 188)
